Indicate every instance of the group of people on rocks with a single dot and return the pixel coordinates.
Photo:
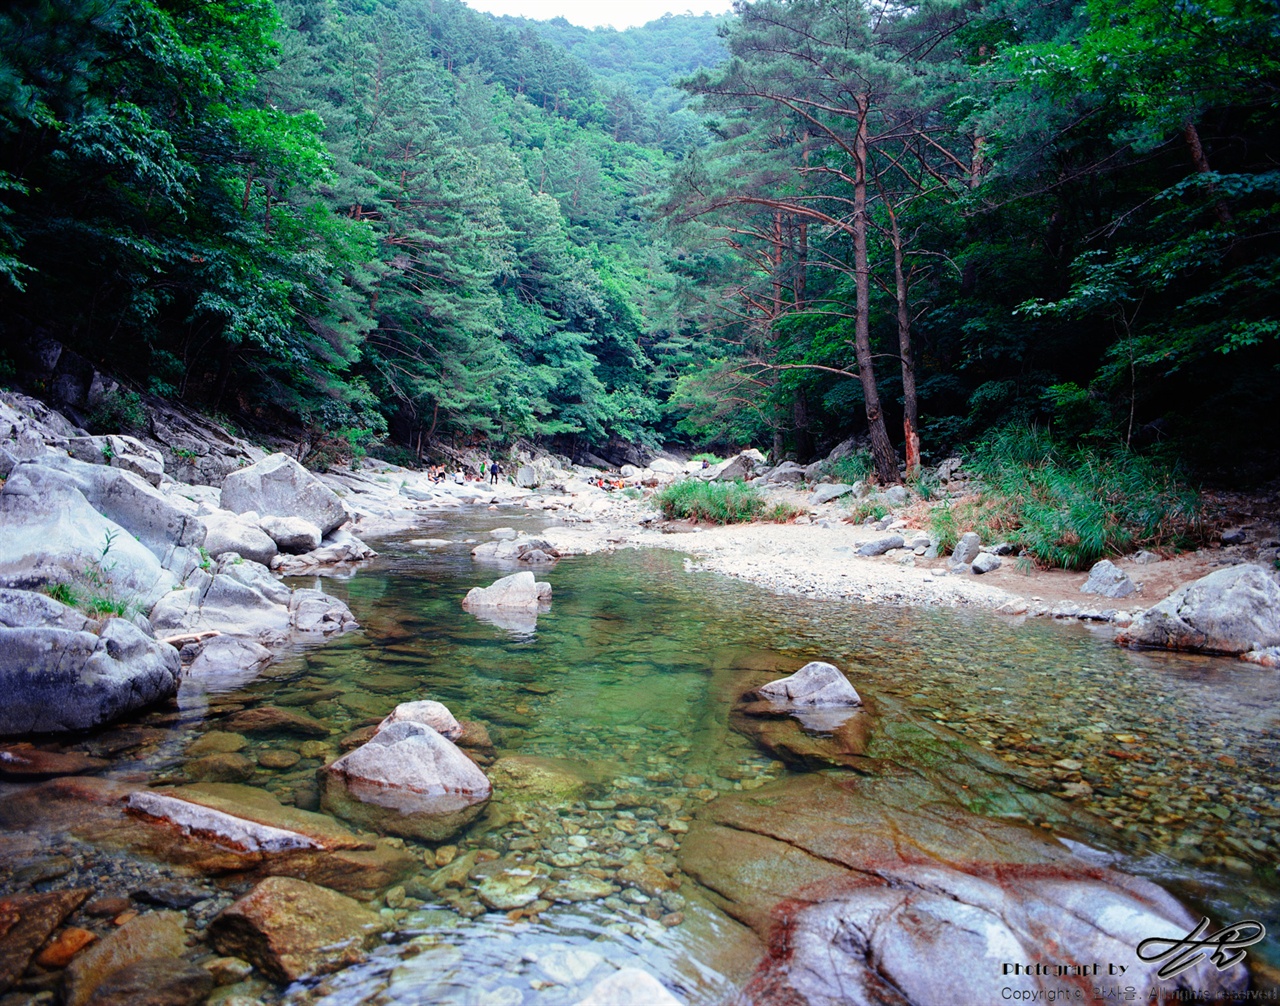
(441, 473)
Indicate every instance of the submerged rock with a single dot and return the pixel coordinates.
(629, 987)
(870, 891)
(26, 921)
(1232, 611)
(279, 486)
(529, 778)
(406, 780)
(147, 937)
(436, 715)
(154, 981)
(291, 929)
(62, 671)
(23, 762)
(519, 591)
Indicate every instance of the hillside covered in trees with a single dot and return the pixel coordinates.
(396, 220)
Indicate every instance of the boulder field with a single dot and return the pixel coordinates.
(101, 553)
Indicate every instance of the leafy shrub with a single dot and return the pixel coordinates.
(851, 468)
(118, 412)
(63, 593)
(1069, 507)
(863, 509)
(717, 502)
(710, 459)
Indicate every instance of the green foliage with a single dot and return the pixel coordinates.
(710, 459)
(714, 502)
(63, 593)
(1070, 507)
(118, 412)
(852, 467)
(781, 512)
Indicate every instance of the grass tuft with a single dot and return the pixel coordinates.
(1069, 507)
(716, 502)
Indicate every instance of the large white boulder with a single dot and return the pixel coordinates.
(62, 671)
(817, 683)
(1232, 610)
(279, 486)
(49, 534)
(227, 532)
(293, 535)
(407, 780)
(519, 590)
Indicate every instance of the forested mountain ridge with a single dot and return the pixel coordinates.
(363, 215)
(401, 219)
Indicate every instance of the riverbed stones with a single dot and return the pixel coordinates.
(279, 486)
(61, 671)
(406, 780)
(547, 782)
(816, 684)
(26, 921)
(434, 714)
(830, 491)
(517, 591)
(146, 937)
(1231, 611)
(881, 545)
(291, 929)
(1109, 580)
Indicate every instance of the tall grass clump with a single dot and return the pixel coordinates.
(716, 502)
(851, 468)
(1071, 506)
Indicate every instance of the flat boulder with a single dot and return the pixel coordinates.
(290, 929)
(227, 532)
(436, 715)
(226, 663)
(406, 780)
(830, 491)
(869, 890)
(293, 535)
(1108, 580)
(1231, 611)
(61, 671)
(881, 545)
(25, 762)
(279, 486)
(519, 591)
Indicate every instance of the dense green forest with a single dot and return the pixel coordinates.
(393, 220)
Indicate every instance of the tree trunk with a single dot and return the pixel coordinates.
(1201, 162)
(910, 431)
(881, 448)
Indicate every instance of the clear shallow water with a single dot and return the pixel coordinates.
(622, 694)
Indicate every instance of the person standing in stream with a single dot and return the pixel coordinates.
(495, 470)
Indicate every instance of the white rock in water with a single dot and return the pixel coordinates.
(817, 683)
(434, 714)
(629, 987)
(240, 834)
(519, 590)
(1232, 610)
(407, 780)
